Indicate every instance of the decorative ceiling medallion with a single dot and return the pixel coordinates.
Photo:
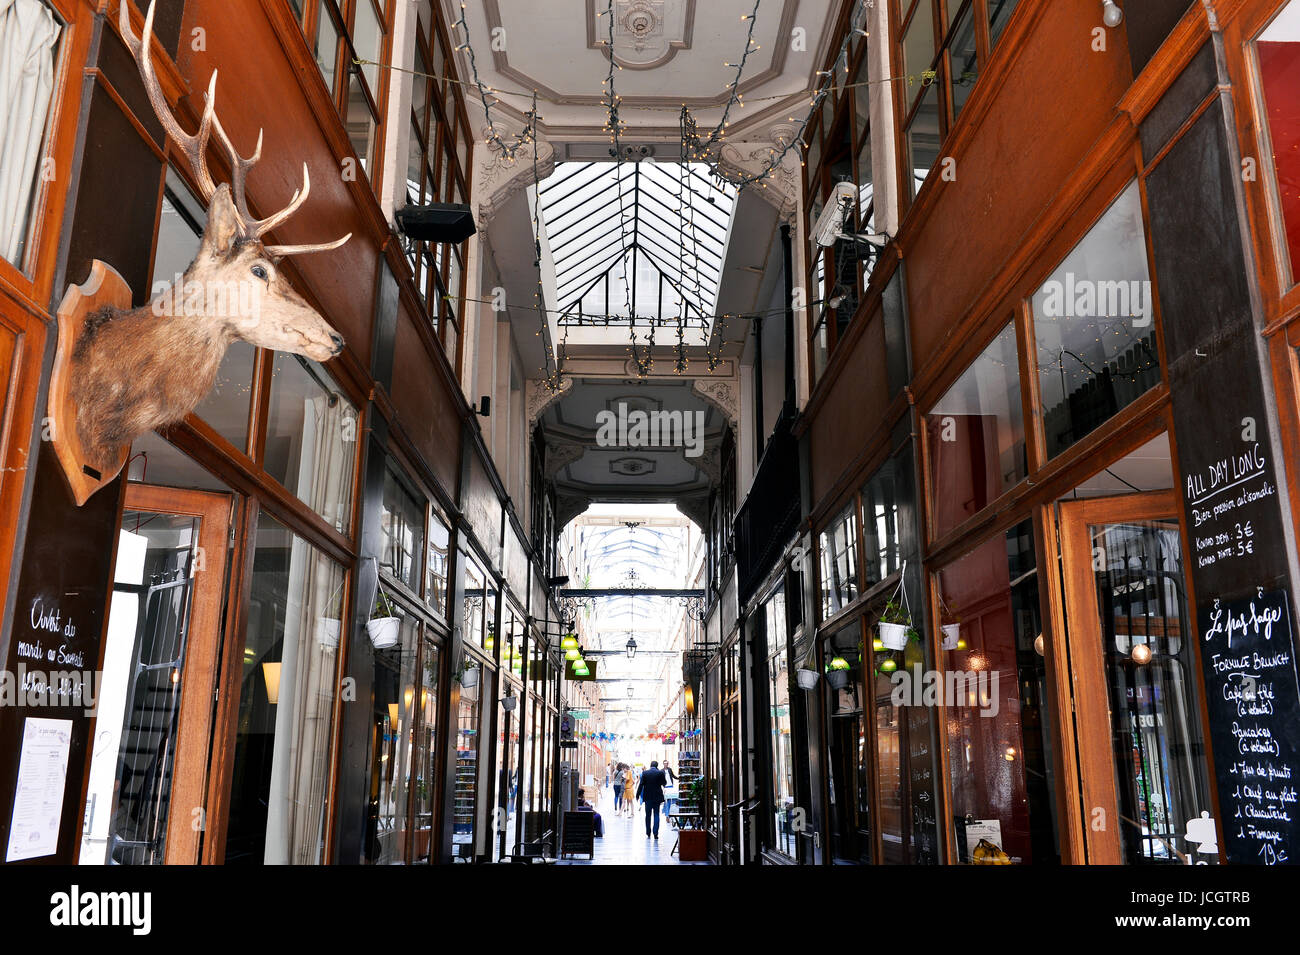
(644, 37)
(632, 466)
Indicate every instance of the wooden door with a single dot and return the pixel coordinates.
(1135, 673)
(146, 799)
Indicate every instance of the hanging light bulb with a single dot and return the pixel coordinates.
(1111, 14)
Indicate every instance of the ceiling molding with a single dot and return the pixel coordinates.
(685, 43)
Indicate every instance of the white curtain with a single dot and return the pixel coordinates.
(305, 713)
(28, 34)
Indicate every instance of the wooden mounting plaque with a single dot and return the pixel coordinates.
(104, 287)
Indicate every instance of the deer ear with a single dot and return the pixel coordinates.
(223, 225)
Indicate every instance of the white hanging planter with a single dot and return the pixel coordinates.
(384, 632)
(469, 678)
(807, 679)
(327, 632)
(893, 635)
(951, 635)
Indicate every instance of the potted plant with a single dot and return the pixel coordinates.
(838, 672)
(807, 679)
(895, 627)
(384, 626)
(467, 674)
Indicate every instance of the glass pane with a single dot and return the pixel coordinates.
(286, 703)
(327, 48)
(1278, 52)
(394, 736)
(311, 438)
(889, 769)
(918, 44)
(839, 562)
(31, 44)
(464, 798)
(1093, 327)
(368, 41)
(963, 59)
(427, 780)
(782, 756)
(999, 13)
(880, 525)
(848, 758)
(924, 136)
(476, 595)
(138, 707)
(995, 691)
(1160, 765)
(402, 533)
(977, 436)
(435, 564)
(361, 123)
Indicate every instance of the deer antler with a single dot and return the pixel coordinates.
(195, 147)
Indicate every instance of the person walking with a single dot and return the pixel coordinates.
(651, 789)
(619, 775)
(629, 792)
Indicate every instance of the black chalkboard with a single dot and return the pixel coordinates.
(1254, 702)
(579, 836)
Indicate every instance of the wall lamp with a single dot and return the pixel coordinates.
(1111, 14)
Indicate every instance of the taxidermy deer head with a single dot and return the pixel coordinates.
(132, 371)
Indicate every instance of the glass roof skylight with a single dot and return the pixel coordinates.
(674, 225)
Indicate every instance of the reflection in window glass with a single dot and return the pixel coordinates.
(29, 35)
(848, 752)
(999, 14)
(402, 531)
(924, 137)
(368, 41)
(426, 756)
(918, 42)
(311, 438)
(361, 123)
(1278, 53)
(880, 525)
(327, 48)
(435, 563)
(465, 795)
(286, 703)
(976, 436)
(965, 62)
(1093, 327)
(782, 756)
(394, 735)
(999, 756)
(839, 562)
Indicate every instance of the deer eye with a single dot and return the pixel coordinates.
(260, 271)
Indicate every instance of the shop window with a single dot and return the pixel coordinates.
(311, 438)
(427, 778)
(435, 562)
(784, 834)
(1094, 329)
(480, 602)
(401, 529)
(849, 756)
(465, 795)
(394, 737)
(30, 34)
(1278, 54)
(880, 526)
(180, 229)
(839, 562)
(282, 771)
(995, 690)
(976, 436)
(339, 32)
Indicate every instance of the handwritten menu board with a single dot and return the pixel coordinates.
(1254, 701)
(925, 836)
(1231, 506)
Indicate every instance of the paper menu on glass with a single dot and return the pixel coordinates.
(38, 797)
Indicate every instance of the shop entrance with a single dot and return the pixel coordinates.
(1142, 757)
(146, 799)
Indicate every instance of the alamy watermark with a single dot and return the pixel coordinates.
(1089, 298)
(626, 428)
(211, 299)
(977, 689)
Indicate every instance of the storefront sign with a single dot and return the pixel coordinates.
(1254, 705)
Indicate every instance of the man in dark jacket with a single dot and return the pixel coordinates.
(651, 792)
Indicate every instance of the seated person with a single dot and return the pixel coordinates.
(597, 826)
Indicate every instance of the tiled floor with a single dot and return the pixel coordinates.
(624, 842)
